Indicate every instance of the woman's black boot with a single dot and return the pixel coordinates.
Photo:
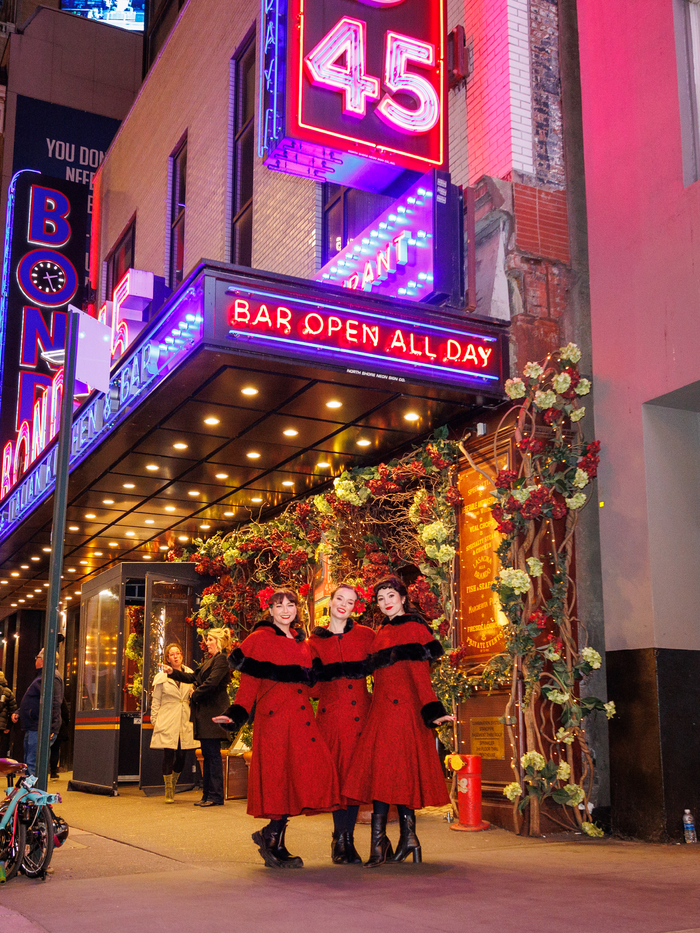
(351, 855)
(267, 840)
(380, 848)
(287, 860)
(408, 841)
(338, 855)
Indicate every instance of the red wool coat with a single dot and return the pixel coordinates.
(291, 770)
(395, 759)
(340, 671)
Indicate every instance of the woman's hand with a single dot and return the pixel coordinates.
(222, 720)
(167, 669)
(439, 722)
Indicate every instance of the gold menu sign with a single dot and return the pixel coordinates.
(487, 737)
(480, 630)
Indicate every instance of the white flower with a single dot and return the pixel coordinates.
(558, 696)
(577, 500)
(533, 370)
(512, 791)
(577, 414)
(521, 495)
(591, 656)
(533, 759)
(583, 387)
(581, 479)
(445, 554)
(576, 794)
(563, 735)
(545, 399)
(609, 709)
(590, 829)
(561, 382)
(515, 388)
(323, 507)
(551, 653)
(534, 566)
(570, 352)
(346, 490)
(516, 580)
(436, 531)
(563, 771)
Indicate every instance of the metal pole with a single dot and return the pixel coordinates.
(58, 532)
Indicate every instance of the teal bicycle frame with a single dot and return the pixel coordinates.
(25, 822)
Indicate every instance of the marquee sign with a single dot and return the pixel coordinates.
(411, 251)
(43, 270)
(353, 91)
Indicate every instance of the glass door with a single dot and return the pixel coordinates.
(169, 604)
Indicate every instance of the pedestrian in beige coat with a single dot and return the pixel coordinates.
(170, 716)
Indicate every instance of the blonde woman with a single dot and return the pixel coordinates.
(170, 717)
(209, 698)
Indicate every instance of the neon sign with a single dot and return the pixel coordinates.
(411, 251)
(43, 267)
(360, 102)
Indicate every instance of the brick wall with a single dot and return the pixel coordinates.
(541, 222)
(546, 93)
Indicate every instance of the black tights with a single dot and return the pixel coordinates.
(276, 826)
(173, 760)
(344, 820)
(382, 809)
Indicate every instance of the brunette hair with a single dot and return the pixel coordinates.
(169, 648)
(222, 637)
(344, 586)
(280, 594)
(394, 583)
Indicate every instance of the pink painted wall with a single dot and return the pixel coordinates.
(644, 231)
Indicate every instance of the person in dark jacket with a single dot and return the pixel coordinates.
(8, 704)
(395, 759)
(28, 712)
(209, 698)
(339, 654)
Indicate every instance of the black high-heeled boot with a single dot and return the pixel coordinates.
(408, 841)
(287, 860)
(380, 848)
(351, 854)
(338, 855)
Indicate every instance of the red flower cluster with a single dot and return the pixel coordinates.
(314, 535)
(207, 566)
(383, 483)
(264, 596)
(531, 445)
(175, 554)
(505, 526)
(295, 561)
(444, 629)
(453, 496)
(559, 508)
(539, 618)
(458, 656)
(408, 471)
(590, 461)
(421, 594)
(539, 499)
(556, 643)
(304, 590)
(255, 543)
(436, 457)
(552, 415)
(505, 478)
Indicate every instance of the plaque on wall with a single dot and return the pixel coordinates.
(487, 737)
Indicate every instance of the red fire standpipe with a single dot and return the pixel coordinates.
(469, 796)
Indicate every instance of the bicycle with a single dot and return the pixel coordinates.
(27, 833)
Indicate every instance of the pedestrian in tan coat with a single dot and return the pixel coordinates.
(170, 716)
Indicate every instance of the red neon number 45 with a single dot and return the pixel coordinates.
(348, 40)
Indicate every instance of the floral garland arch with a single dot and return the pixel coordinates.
(401, 517)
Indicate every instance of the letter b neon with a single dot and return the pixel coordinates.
(48, 217)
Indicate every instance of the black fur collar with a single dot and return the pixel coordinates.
(409, 617)
(322, 632)
(267, 670)
(408, 652)
(267, 623)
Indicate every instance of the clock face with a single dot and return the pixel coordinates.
(48, 277)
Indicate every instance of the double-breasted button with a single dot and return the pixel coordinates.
(313, 739)
(271, 712)
(302, 707)
(349, 686)
(323, 710)
(396, 701)
(357, 718)
(353, 703)
(308, 723)
(300, 690)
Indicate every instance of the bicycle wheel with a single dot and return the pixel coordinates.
(11, 850)
(38, 847)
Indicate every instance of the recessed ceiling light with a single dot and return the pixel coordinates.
(334, 403)
(322, 464)
(108, 502)
(90, 515)
(169, 508)
(212, 420)
(21, 600)
(146, 556)
(24, 566)
(128, 486)
(152, 466)
(112, 544)
(130, 534)
(180, 446)
(30, 595)
(222, 475)
(256, 499)
(149, 521)
(13, 604)
(253, 455)
(290, 432)
(164, 547)
(68, 597)
(34, 558)
(193, 492)
(97, 553)
(14, 573)
(229, 514)
(363, 442)
(70, 528)
(411, 416)
(71, 569)
(45, 585)
(249, 390)
(287, 482)
(46, 550)
(3, 582)
(84, 563)
(205, 527)
(183, 538)
(38, 591)
(77, 592)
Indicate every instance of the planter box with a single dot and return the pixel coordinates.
(235, 775)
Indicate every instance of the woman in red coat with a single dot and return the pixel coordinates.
(291, 770)
(339, 655)
(396, 760)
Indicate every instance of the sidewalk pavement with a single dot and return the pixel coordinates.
(135, 865)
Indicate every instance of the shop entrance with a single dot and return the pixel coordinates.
(130, 613)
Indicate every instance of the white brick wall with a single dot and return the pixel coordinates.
(520, 86)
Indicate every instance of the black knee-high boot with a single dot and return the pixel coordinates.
(351, 856)
(338, 856)
(408, 841)
(380, 847)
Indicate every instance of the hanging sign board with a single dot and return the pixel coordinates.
(353, 91)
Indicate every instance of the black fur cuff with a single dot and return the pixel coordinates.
(432, 711)
(239, 714)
